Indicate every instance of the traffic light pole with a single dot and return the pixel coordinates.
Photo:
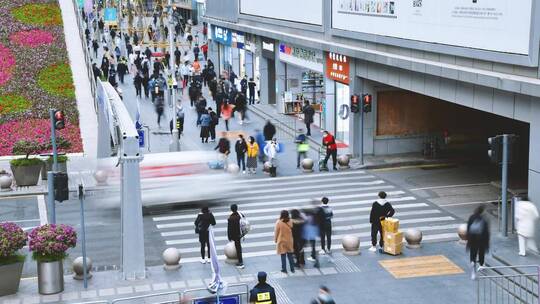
(51, 208)
(53, 141)
(175, 143)
(504, 186)
(362, 116)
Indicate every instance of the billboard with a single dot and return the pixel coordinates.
(303, 11)
(492, 25)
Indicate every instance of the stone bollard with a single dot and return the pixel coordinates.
(101, 177)
(307, 165)
(5, 181)
(171, 258)
(413, 237)
(462, 233)
(78, 270)
(233, 168)
(343, 161)
(351, 245)
(230, 253)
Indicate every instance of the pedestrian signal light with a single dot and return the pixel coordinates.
(61, 189)
(495, 149)
(366, 102)
(59, 120)
(355, 103)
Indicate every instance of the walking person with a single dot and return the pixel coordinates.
(205, 122)
(331, 149)
(145, 85)
(234, 233)
(95, 47)
(137, 82)
(324, 296)
(309, 112)
(269, 131)
(262, 293)
(298, 240)
(302, 148)
(380, 210)
(160, 106)
(224, 149)
(202, 224)
(214, 121)
(252, 152)
(284, 240)
(271, 151)
(310, 234)
(325, 217)
(241, 148)
(252, 91)
(240, 106)
(122, 69)
(112, 76)
(226, 113)
(477, 239)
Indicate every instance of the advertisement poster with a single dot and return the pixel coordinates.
(303, 11)
(494, 25)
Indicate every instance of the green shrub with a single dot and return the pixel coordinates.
(27, 147)
(60, 159)
(23, 162)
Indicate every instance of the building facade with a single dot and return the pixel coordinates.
(455, 73)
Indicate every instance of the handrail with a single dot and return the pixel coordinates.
(518, 286)
(147, 296)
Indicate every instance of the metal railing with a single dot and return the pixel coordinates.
(87, 59)
(508, 284)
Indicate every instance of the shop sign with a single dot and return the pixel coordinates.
(222, 35)
(238, 40)
(337, 67)
(307, 58)
(268, 48)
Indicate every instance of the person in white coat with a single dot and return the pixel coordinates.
(526, 217)
(271, 151)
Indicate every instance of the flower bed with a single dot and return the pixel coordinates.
(50, 242)
(56, 80)
(31, 39)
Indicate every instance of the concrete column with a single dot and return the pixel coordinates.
(330, 100)
(356, 86)
(534, 154)
(281, 81)
(213, 54)
(263, 83)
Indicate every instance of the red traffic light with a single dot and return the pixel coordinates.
(59, 120)
(366, 102)
(355, 103)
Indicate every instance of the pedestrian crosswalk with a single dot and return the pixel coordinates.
(351, 194)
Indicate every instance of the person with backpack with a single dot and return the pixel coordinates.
(214, 121)
(302, 148)
(380, 210)
(202, 223)
(234, 233)
(240, 147)
(325, 217)
(298, 241)
(284, 240)
(205, 122)
(477, 238)
(252, 152)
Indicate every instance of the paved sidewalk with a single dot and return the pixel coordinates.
(351, 278)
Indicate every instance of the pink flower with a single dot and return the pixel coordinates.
(32, 38)
(7, 62)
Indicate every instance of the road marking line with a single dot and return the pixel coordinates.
(278, 209)
(326, 186)
(450, 186)
(304, 176)
(413, 167)
(42, 209)
(307, 180)
(470, 203)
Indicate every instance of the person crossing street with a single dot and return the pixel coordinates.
(234, 233)
(380, 210)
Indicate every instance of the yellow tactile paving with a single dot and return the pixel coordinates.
(423, 266)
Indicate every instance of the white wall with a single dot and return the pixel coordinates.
(303, 11)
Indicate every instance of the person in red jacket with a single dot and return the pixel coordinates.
(331, 149)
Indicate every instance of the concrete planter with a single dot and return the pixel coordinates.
(50, 277)
(26, 175)
(62, 167)
(10, 276)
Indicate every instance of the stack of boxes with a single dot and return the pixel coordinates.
(393, 238)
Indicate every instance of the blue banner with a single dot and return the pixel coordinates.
(222, 300)
(141, 138)
(222, 35)
(110, 14)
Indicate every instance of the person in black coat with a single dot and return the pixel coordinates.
(137, 82)
(95, 46)
(241, 106)
(309, 112)
(240, 147)
(262, 292)
(269, 131)
(234, 233)
(477, 238)
(96, 71)
(380, 210)
(298, 240)
(202, 224)
(122, 69)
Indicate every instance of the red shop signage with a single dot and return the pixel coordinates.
(337, 67)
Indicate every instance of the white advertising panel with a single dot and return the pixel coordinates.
(303, 11)
(493, 25)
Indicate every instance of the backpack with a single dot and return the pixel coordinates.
(198, 225)
(477, 228)
(245, 226)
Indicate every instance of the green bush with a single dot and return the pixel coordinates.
(60, 159)
(23, 162)
(27, 147)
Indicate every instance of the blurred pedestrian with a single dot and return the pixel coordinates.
(284, 240)
(244, 85)
(262, 293)
(269, 131)
(205, 121)
(252, 152)
(324, 297)
(226, 113)
(160, 106)
(302, 147)
(380, 210)
(202, 224)
(241, 106)
(298, 240)
(311, 233)
(234, 233)
(259, 137)
(325, 217)
(526, 218)
(112, 76)
(224, 149)
(331, 149)
(477, 238)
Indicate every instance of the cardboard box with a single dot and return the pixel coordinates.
(390, 225)
(393, 249)
(392, 238)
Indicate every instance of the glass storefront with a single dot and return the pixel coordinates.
(342, 102)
